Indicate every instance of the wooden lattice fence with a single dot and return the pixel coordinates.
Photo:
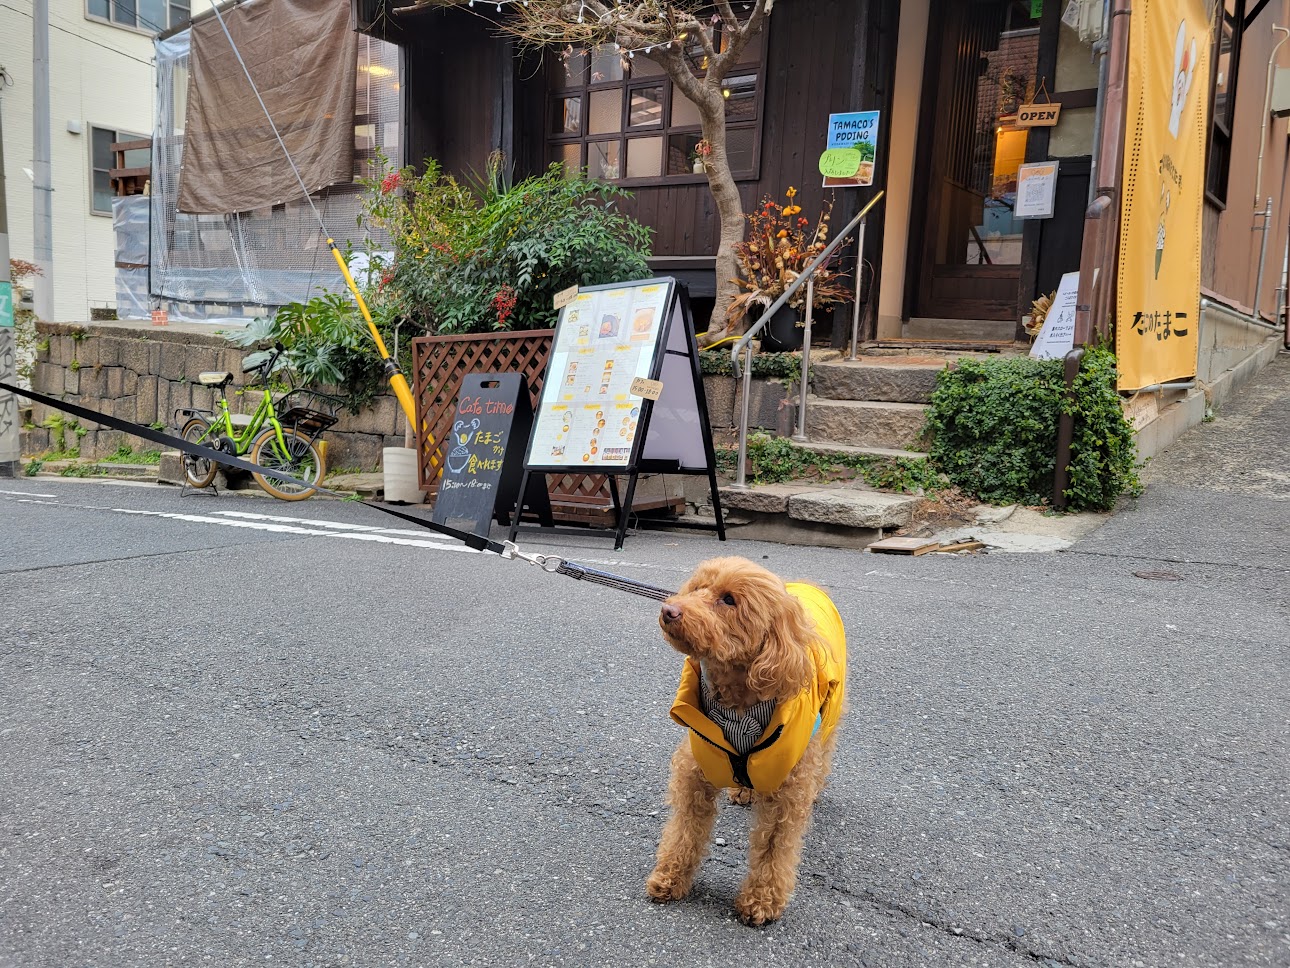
(441, 362)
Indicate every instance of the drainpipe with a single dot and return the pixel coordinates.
(1258, 176)
(1101, 47)
(1110, 151)
(1100, 248)
(1267, 112)
(1263, 255)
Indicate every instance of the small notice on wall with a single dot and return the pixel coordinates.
(853, 139)
(1036, 190)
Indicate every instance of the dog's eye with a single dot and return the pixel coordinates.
(728, 599)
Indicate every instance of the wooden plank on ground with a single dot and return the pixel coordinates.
(904, 546)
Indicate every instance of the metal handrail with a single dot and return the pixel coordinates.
(807, 276)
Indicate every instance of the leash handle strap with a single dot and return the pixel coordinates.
(596, 577)
(218, 456)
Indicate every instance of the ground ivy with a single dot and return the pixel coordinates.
(993, 424)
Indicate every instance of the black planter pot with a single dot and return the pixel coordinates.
(782, 334)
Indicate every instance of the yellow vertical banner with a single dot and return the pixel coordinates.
(1167, 119)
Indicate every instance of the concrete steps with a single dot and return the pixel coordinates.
(874, 402)
(809, 514)
(893, 379)
(865, 423)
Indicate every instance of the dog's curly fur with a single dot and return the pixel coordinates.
(759, 648)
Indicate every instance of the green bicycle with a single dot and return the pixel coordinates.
(288, 443)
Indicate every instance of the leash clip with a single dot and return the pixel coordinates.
(548, 563)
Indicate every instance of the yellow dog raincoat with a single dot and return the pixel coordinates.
(794, 722)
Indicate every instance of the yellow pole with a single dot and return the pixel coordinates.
(397, 380)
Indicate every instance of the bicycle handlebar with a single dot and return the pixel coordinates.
(265, 368)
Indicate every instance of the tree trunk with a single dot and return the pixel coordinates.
(730, 213)
(706, 95)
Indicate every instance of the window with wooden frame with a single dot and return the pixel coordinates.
(103, 160)
(619, 116)
(1227, 55)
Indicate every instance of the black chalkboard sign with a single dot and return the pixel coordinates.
(484, 457)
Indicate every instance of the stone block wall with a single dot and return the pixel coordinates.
(141, 373)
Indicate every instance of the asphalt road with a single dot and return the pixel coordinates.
(229, 739)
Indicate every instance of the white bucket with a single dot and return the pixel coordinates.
(400, 466)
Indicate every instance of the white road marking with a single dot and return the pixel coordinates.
(337, 526)
(282, 518)
(278, 523)
(286, 524)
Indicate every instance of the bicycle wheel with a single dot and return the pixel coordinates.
(300, 459)
(198, 471)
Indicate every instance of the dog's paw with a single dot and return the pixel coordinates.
(759, 906)
(664, 885)
(740, 795)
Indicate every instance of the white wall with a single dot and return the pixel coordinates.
(100, 75)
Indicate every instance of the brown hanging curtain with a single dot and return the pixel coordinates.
(302, 56)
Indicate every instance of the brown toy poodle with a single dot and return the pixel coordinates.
(761, 693)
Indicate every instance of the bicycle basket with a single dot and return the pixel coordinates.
(307, 411)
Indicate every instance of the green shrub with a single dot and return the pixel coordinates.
(491, 255)
(767, 366)
(777, 460)
(994, 429)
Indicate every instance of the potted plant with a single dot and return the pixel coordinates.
(1012, 87)
(700, 155)
(781, 243)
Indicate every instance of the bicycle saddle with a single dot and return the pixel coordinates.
(214, 378)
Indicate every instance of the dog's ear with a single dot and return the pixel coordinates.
(783, 668)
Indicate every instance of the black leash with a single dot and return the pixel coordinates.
(552, 564)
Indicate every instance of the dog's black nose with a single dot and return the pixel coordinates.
(671, 613)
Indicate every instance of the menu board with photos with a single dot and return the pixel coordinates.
(623, 394)
(606, 338)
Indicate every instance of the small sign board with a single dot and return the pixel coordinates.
(1038, 115)
(484, 459)
(1036, 190)
(647, 389)
(564, 297)
(1057, 335)
(855, 131)
(6, 303)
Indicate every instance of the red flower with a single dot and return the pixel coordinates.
(390, 182)
(504, 301)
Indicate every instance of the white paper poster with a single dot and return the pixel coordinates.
(1057, 336)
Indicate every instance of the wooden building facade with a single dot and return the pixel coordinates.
(946, 258)
(468, 93)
